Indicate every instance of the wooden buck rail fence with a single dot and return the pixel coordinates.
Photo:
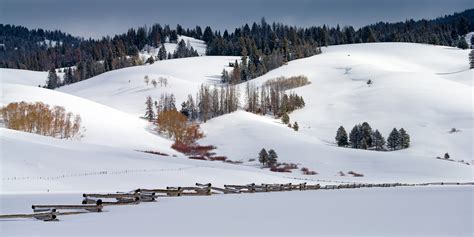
(93, 201)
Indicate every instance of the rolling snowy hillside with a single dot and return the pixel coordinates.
(424, 89)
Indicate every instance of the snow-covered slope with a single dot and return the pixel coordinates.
(102, 125)
(22, 77)
(411, 89)
(126, 90)
(33, 163)
(197, 45)
(402, 211)
(425, 89)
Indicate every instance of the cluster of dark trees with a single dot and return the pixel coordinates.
(184, 51)
(211, 102)
(363, 137)
(267, 159)
(167, 102)
(271, 98)
(263, 46)
(208, 103)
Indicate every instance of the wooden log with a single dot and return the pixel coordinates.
(39, 216)
(222, 190)
(120, 203)
(148, 198)
(232, 190)
(286, 187)
(195, 194)
(331, 186)
(204, 185)
(71, 213)
(46, 217)
(110, 195)
(238, 186)
(168, 192)
(44, 210)
(312, 186)
(91, 208)
(182, 188)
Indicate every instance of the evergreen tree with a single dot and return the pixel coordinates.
(393, 141)
(404, 139)
(285, 118)
(295, 126)
(378, 140)
(263, 157)
(367, 133)
(162, 53)
(181, 50)
(53, 79)
(225, 76)
(446, 156)
(355, 136)
(363, 144)
(149, 113)
(150, 60)
(462, 44)
(68, 77)
(341, 137)
(272, 157)
(185, 109)
(471, 59)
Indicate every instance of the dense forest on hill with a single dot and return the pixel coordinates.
(264, 46)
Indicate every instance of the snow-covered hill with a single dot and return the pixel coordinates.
(197, 45)
(102, 124)
(126, 90)
(425, 89)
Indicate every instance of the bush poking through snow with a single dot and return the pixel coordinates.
(296, 127)
(355, 174)
(306, 171)
(150, 60)
(147, 79)
(285, 119)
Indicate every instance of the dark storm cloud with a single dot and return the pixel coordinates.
(94, 18)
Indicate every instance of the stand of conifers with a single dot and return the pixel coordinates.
(95, 202)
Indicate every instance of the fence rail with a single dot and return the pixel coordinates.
(93, 201)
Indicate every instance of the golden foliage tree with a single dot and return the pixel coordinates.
(175, 125)
(41, 119)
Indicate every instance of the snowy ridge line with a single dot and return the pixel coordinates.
(50, 213)
(105, 172)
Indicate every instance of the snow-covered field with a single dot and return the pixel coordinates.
(425, 89)
(407, 211)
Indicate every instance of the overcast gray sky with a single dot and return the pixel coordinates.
(95, 18)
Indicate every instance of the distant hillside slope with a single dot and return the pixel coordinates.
(102, 124)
